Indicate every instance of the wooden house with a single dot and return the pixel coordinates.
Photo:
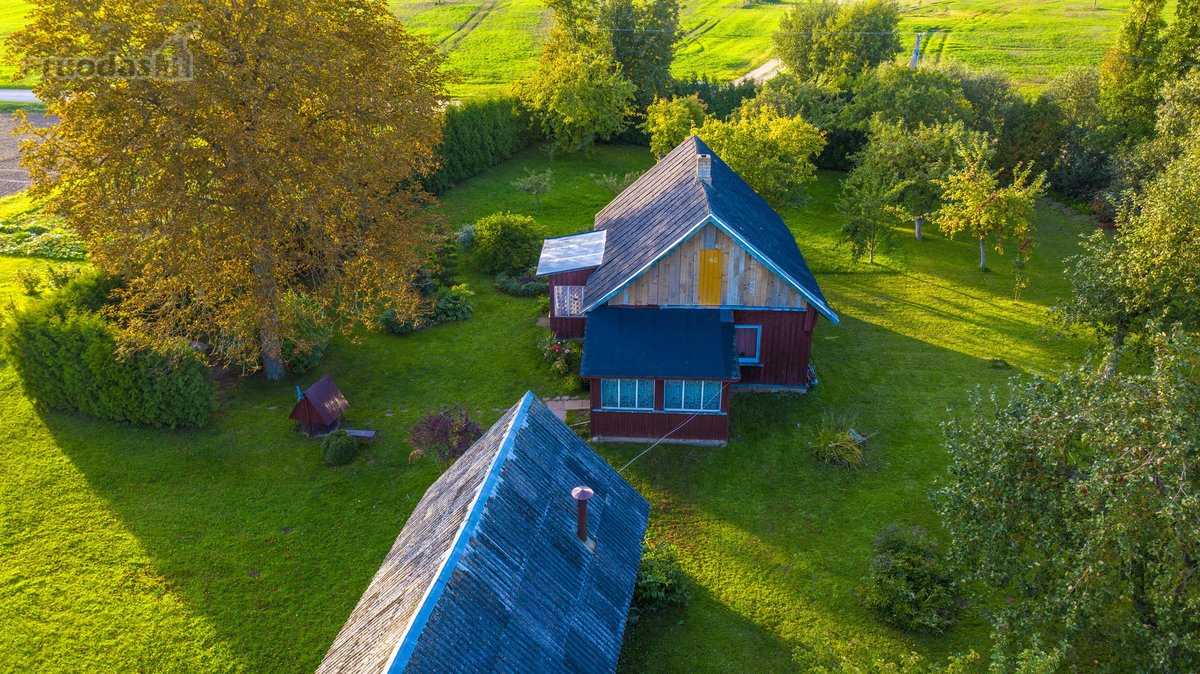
(521, 557)
(689, 286)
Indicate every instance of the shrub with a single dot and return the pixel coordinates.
(909, 585)
(616, 183)
(477, 135)
(564, 355)
(524, 285)
(453, 304)
(395, 323)
(338, 449)
(506, 242)
(466, 238)
(90, 290)
(308, 331)
(444, 435)
(837, 443)
(30, 280)
(59, 277)
(661, 582)
(68, 358)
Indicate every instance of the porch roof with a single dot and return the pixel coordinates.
(659, 343)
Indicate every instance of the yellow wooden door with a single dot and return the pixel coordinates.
(710, 276)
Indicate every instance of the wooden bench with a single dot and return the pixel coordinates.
(369, 436)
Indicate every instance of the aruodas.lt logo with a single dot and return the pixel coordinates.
(170, 62)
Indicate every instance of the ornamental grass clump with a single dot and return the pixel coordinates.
(837, 443)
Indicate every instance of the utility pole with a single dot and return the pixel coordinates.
(916, 55)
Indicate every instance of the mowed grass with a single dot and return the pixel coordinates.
(234, 549)
(490, 44)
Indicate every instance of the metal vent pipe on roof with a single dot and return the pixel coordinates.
(704, 168)
(581, 496)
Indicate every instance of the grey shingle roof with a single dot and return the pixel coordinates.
(656, 212)
(487, 574)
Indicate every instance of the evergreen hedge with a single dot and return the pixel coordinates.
(476, 136)
(66, 356)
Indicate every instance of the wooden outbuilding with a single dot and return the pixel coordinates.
(319, 409)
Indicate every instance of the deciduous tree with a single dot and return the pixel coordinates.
(975, 202)
(896, 93)
(267, 147)
(578, 92)
(838, 40)
(774, 154)
(670, 121)
(1132, 74)
(1074, 500)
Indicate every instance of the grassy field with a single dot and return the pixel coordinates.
(492, 43)
(234, 549)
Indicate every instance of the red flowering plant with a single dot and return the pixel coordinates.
(562, 354)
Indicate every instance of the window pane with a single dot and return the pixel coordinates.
(576, 303)
(628, 396)
(673, 395)
(747, 343)
(568, 300)
(691, 395)
(712, 396)
(645, 394)
(608, 392)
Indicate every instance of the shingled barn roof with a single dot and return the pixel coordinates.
(668, 203)
(488, 575)
(322, 404)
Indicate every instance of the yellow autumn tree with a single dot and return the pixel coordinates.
(221, 154)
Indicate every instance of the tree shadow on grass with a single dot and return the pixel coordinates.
(786, 539)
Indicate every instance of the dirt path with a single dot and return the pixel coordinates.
(762, 73)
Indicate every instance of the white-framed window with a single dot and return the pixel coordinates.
(749, 343)
(627, 394)
(687, 395)
(568, 301)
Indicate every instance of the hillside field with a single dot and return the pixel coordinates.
(233, 548)
(492, 43)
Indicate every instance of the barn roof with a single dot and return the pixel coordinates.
(568, 253)
(652, 342)
(322, 403)
(667, 204)
(487, 573)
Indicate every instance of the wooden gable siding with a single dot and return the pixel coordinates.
(675, 279)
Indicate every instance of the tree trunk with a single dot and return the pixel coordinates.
(871, 255)
(270, 340)
(982, 254)
(918, 223)
(1114, 353)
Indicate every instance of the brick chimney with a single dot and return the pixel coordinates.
(704, 168)
(581, 496)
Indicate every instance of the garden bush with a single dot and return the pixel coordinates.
(526, 284)
(59, 277)
(837, 443)
(395, 323)
(68, 358)
(444, 435)
(661, 582)
(477, 135)
(506, 242)
(338, 449)
(909, 584)
(564, 355)
(30, 280)
(453, 304)
(466, 238)
(308, 331)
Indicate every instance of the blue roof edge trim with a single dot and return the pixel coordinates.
(408, 643)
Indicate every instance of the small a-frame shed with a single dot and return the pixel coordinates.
(320, 408)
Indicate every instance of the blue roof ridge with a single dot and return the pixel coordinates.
(412, 632)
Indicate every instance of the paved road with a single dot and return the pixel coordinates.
(17, 96)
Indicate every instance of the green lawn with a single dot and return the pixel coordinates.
(492, 43)
(234, 548)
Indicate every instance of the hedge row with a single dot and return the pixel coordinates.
(66, 356)
(477, 135)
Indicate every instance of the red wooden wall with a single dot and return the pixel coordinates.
(785, 348)
(568, 328)
(654, 425)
